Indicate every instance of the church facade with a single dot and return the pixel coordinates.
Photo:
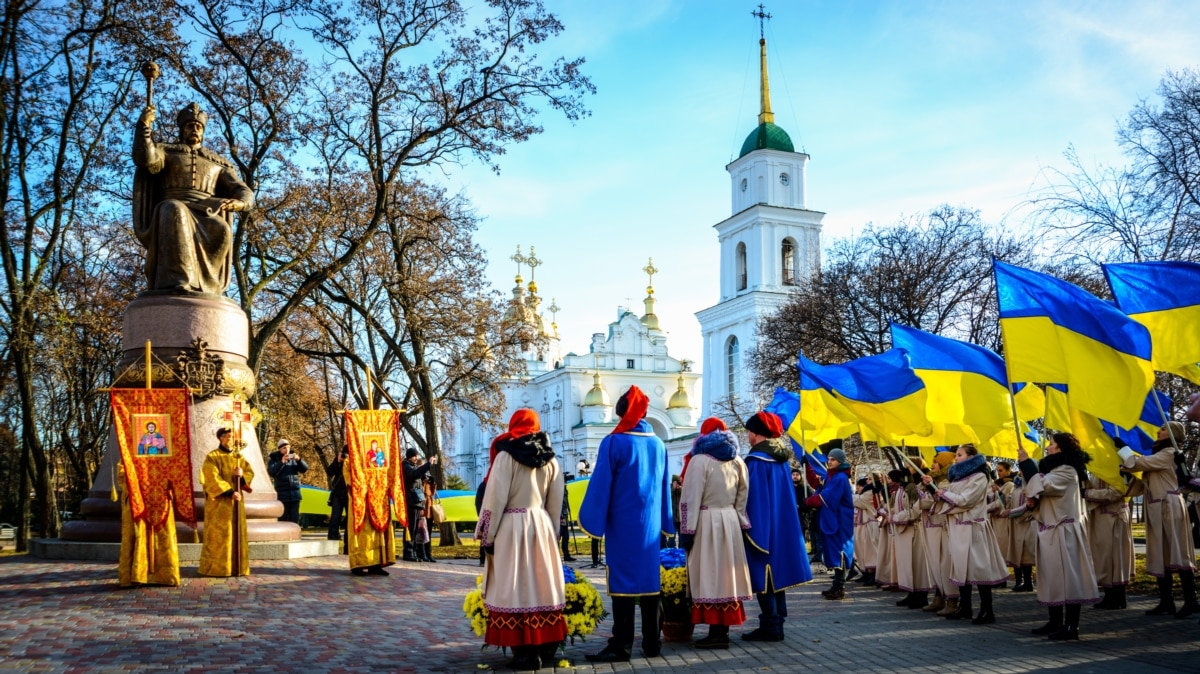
(575, 394)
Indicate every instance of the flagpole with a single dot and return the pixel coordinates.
(1158, 404)
(887, 498)
(1012, 395)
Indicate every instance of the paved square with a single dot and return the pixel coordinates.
(311, 615)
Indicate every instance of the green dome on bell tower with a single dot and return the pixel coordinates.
(766, 136)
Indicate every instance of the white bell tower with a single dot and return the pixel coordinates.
(769, 245)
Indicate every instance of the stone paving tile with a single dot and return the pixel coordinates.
(310, 615)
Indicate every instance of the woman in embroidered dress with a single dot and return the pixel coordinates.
(975, 557)
(713, 515)
(1111, 536)
(1054, 492)
(518, 526)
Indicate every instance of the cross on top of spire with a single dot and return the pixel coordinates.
(763, 17)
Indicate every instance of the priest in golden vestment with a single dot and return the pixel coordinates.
(225, 475)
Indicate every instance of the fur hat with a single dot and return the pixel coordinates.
(766, 424)
(943, 460)
(282, 442)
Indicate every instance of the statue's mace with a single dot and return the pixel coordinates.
(151, 72)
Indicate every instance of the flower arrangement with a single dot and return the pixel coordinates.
(583, 611)
(673, 574)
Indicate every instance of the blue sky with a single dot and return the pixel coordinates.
(902, 105)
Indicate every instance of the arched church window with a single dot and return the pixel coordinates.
(788, 251)
(733, 364)
(741, 266)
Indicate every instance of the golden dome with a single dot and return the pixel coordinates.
(679, 399)
(596, 396)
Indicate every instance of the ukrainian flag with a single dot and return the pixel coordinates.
(1061, 416)
(1031, 402)
(966, 382)
(881, 390)
(1142, 436)
(821, 416)
(1056, 332)
(1164, 297)
(787, 405)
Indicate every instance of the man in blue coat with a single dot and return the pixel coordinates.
(836, 501)
(628, 503)
(775, 543)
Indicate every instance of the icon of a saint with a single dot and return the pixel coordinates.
(152, 442)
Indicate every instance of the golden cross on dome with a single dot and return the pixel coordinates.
(519, 259)
(553, 309)
(762, 16)
(533, 263)
(650, 270)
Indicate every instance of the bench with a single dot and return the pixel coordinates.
(8, 537)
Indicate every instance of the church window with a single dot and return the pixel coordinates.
(628, 363)
(741, 266)
(733, 364)
(788, 251)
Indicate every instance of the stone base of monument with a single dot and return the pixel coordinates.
(189, 553)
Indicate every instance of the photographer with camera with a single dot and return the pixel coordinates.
(285, 467)
(417, 547)
(338, 499)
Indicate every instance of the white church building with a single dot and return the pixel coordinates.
(768, 245)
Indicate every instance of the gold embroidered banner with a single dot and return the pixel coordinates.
(156, 452)
(376, 476)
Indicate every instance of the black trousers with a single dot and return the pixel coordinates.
(291, 512)
(623, 621)
(337, 511)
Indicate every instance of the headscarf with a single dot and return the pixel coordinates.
(709, 425)
(523, 422)
(632, 407)
(766, 424)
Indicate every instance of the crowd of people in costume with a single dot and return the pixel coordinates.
(949, 531)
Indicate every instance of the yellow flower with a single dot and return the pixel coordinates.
(564, 663)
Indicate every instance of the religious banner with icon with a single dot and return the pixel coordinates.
(376, 475)
(156, 457)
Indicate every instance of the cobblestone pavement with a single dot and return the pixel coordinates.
(311, 615)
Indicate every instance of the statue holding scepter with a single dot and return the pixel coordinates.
(184, 197)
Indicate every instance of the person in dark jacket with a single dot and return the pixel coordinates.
(415, 472)
(285, 467)
(836, 521)
(337, 494)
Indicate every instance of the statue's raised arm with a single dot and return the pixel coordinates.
(184, 197)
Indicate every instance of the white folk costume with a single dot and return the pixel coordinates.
(523, 587)
(1110, 534)
(1169, 547)
(975, 556)
(713, 514)
(866, 530)
(912, 569)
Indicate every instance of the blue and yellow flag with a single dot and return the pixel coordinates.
(1164, 297)
(1061, 416)
(822, 417)
(787, 405)
(1141, 437)
(1056, 332)
(882, 391)
(966, 382)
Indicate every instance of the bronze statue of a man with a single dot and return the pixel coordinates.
(184, 197)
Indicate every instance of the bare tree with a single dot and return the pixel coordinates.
(1146, 210)
(931, 272)
(66, 82)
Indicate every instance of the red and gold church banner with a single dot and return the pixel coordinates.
(376, 476)
(156, 452)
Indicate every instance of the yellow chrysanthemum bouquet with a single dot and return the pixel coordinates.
(583, 611)
(677, 607)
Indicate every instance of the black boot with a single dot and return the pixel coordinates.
(838, 591)
(549, 653)
(868, 578)
(1070, 629)
(1166, 602)
(718, 638)
(920, 600)
(1110, 594)
(1119, 601)
(985, 617)
(1018, 579)
(908, 599)
(408, 552)
(1054, 624)
(429, 553)
(1188, 580)
(964, 611)
(525, 659)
